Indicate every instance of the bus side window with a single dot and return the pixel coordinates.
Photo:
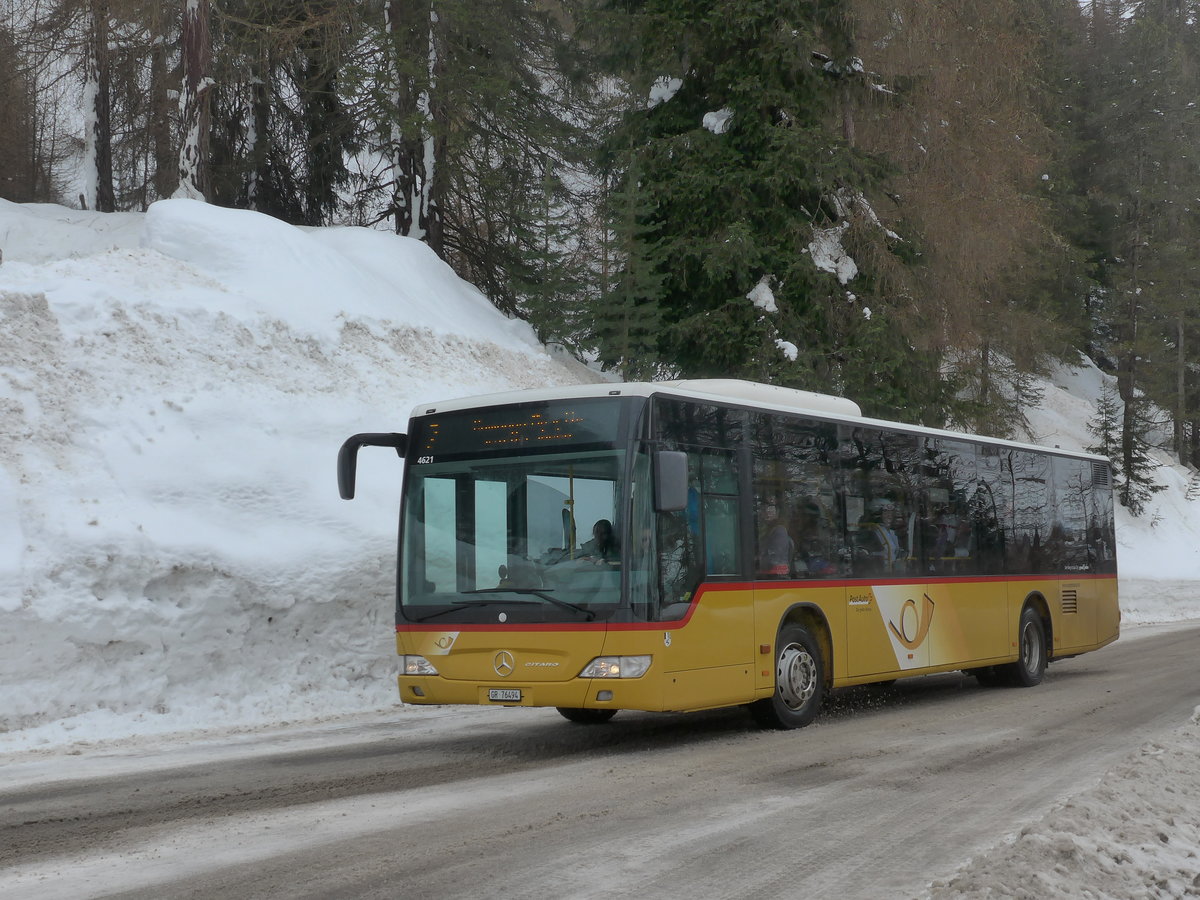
(796, 514)
(719, 490)
(948, 545)
(883, 484)
(704, 538)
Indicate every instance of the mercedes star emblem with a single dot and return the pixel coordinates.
(504, 664)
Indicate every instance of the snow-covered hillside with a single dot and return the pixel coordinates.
(174, 387)
(173, 390)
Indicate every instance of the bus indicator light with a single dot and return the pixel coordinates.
(616, 667)
(416, 665)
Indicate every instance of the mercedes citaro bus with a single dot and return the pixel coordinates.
(697, 544)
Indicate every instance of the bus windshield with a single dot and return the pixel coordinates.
(513, 538)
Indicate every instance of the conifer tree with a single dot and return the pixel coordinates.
(1105, 427)
(482, 117)
(626, 323)
(726, 141)
(282, 132)
(1141, 182)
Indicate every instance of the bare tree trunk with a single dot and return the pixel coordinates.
(1180, 436)
(985, 380)
(848, 132)
(260, 115)
(417, 150)
(405, 23)
(194, 101)
(1127, 359)
(434, 187)
(160, 112)
(99, 139)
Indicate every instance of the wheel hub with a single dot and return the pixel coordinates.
(1031, 651)
(796, 676)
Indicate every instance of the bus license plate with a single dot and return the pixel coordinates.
(504, 696)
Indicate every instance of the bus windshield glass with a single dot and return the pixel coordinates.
(523, 538)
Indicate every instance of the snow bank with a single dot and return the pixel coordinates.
(173, 391)
(1134, 835)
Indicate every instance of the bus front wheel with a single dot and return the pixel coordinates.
(585, 716)
(799, 681)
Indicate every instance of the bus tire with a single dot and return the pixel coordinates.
(1030, 666)
(582, 716)
(799, 681)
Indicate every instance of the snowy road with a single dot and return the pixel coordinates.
(893, 788)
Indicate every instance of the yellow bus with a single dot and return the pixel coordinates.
(697, 544)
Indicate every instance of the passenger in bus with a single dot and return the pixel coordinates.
(884, 546)
(810, 526)
(778, 548)
(603, 545)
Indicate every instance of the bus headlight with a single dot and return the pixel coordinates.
(616, 667)
(416, 665)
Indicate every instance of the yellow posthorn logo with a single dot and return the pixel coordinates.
(914, 626)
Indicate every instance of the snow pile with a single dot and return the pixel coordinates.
(663, 89)
(718, 121)
(173, 391)
(1134, 835)
(829, 255)
(762, 296)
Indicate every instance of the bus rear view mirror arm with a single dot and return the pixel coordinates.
(670, 480)
(347, 465)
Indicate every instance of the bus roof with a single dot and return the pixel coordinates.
(731, 391)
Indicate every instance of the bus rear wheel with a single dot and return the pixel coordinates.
(799, 681)
(585, 716)
(1030, 666)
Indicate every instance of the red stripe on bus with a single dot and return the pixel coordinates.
(738, 586)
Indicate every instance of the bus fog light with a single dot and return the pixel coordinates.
(616, 667)
(416, 665)
(604, 695)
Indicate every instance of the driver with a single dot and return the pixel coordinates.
(603, 545)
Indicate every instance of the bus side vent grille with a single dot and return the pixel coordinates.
(1100, 476)
(1070, 600)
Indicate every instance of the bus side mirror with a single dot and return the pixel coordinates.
(347, 464)
(670, 480)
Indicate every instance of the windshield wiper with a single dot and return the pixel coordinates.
(464, 604)
(540, 594)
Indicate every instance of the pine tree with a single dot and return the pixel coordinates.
(1142, 181)
(627, 323)
(1105, 427)
(726, 141)
(282, 131)
(481, 118)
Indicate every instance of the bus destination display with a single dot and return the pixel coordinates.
(532, 427)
